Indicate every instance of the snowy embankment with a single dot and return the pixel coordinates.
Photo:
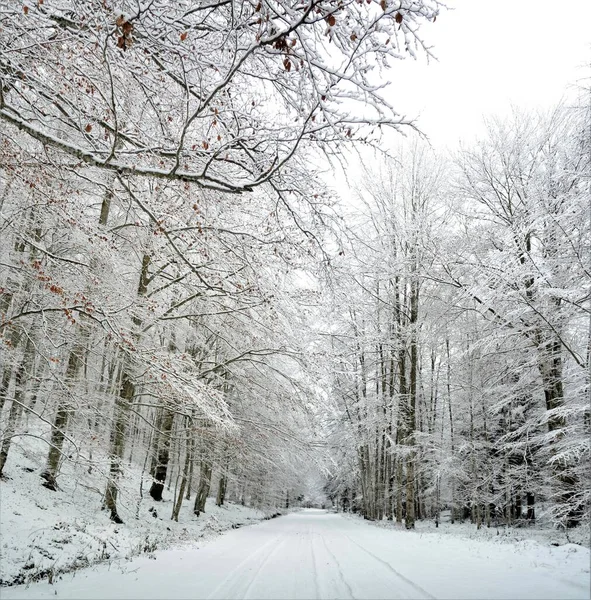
(44, 534)
(545, 534)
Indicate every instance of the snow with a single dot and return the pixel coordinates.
(66, 537)
(318, 554)
(45, 533)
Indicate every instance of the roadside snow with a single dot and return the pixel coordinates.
(45, 533)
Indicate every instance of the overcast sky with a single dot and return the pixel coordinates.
(492, 54)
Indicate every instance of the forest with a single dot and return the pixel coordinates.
(186, 294)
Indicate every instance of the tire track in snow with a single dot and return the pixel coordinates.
(314, 565)
(240, 565)
(339, 569)
(412, 584)
(262, 564)
(573, 584)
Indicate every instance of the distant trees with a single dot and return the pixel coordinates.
(377, 338)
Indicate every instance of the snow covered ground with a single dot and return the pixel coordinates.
(316, 554)
(64, 537)
(45, 533)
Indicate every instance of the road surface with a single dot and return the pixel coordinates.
(315, 554)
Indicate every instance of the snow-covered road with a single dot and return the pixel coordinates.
(314, 554)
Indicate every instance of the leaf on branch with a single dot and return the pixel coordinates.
(88, 128)
(398, 18)
(384, 5)
(183, 36)
(26, 9)
(331, 20)
(287, 64)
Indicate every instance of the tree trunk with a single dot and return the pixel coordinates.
(550, 366)
(399, 488)
(118, 433)
(13, 340)
(122, 405)
(191, 442)
(62, 416)
(163, 455)
(531, 511)
(223, 481)
(221, 490)
(75, 363)
(16, 407)
(412, 403)
(184, 477)
(452, 482)
(203, 489)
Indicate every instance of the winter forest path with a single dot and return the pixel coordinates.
(315, 554)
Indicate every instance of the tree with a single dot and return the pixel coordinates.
(529, 187)
(380, 348)
(216, 94)
(460, 332)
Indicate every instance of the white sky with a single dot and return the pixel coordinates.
(490, 55)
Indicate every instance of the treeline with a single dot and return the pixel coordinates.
(461, 331)
(156, 207)
(164, 232)
(139, 332)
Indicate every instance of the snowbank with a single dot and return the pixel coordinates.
(45, 533)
